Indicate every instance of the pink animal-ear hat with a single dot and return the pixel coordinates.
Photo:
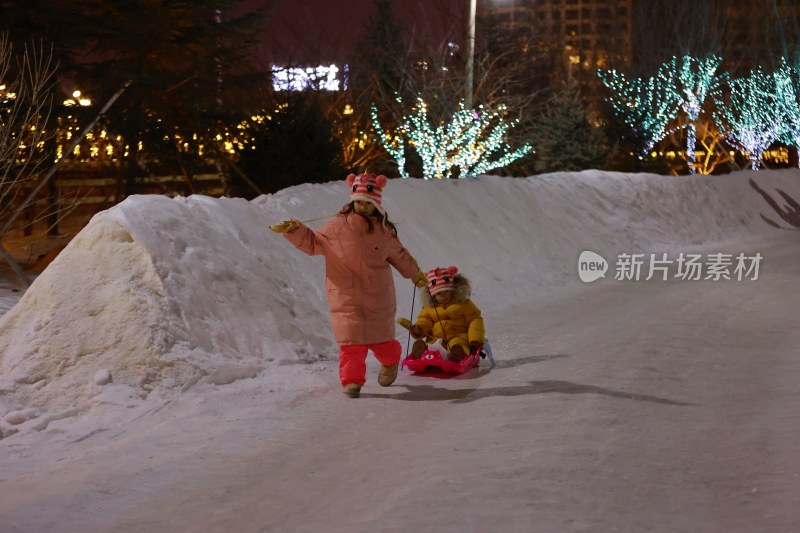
(367, 187)
(441, 279)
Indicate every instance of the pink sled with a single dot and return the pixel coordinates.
(432, 360)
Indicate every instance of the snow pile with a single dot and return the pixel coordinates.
(158, 294)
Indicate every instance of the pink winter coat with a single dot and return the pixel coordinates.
(358, 275)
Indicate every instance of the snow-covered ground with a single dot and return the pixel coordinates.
(617, 405)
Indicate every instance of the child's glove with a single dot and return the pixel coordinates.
(420, 279)
(416, 332)
(287, 226)
(475, 347)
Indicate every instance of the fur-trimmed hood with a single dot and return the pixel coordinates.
(462, 291)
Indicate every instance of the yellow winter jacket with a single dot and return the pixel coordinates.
(458, 322)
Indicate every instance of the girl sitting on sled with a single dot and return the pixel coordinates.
(448, 315)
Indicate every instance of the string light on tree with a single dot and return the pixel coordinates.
(393, 144)
(787, 93)
(696, 80)
(752, 115)
(650, 105)
(647, 105)
(472, 142)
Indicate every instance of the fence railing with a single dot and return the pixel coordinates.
(76, 194)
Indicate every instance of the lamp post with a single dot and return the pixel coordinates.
(470, 52)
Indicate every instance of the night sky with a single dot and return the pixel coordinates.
(326, 30)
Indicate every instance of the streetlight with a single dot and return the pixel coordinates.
(470, 52)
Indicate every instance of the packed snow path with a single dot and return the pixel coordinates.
(633, 406)
(617, 405)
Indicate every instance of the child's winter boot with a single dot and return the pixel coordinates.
(457, 353)
(417, 349)
(387, 375)
(353, 390)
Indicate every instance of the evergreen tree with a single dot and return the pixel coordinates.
(190, 62)
(376, 66)
(376, 75)
(294, 146)
(564, 138)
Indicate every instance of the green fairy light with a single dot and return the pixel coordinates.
(393, 144)
(650, 104)
(751, 115)
(647, 105)
(472, 142)
(787, 94)
(696, 80)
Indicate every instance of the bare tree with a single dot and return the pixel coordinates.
(26, 84)
(713, 151)
(666, 28)
(745, 33)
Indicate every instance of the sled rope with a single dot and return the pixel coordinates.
(318, 218)
(444, 335)
(283, 226)
(413, 299)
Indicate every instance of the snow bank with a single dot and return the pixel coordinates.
(158, 294)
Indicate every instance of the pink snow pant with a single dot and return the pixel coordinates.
(353, 359)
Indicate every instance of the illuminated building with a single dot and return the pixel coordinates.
(585, 33)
